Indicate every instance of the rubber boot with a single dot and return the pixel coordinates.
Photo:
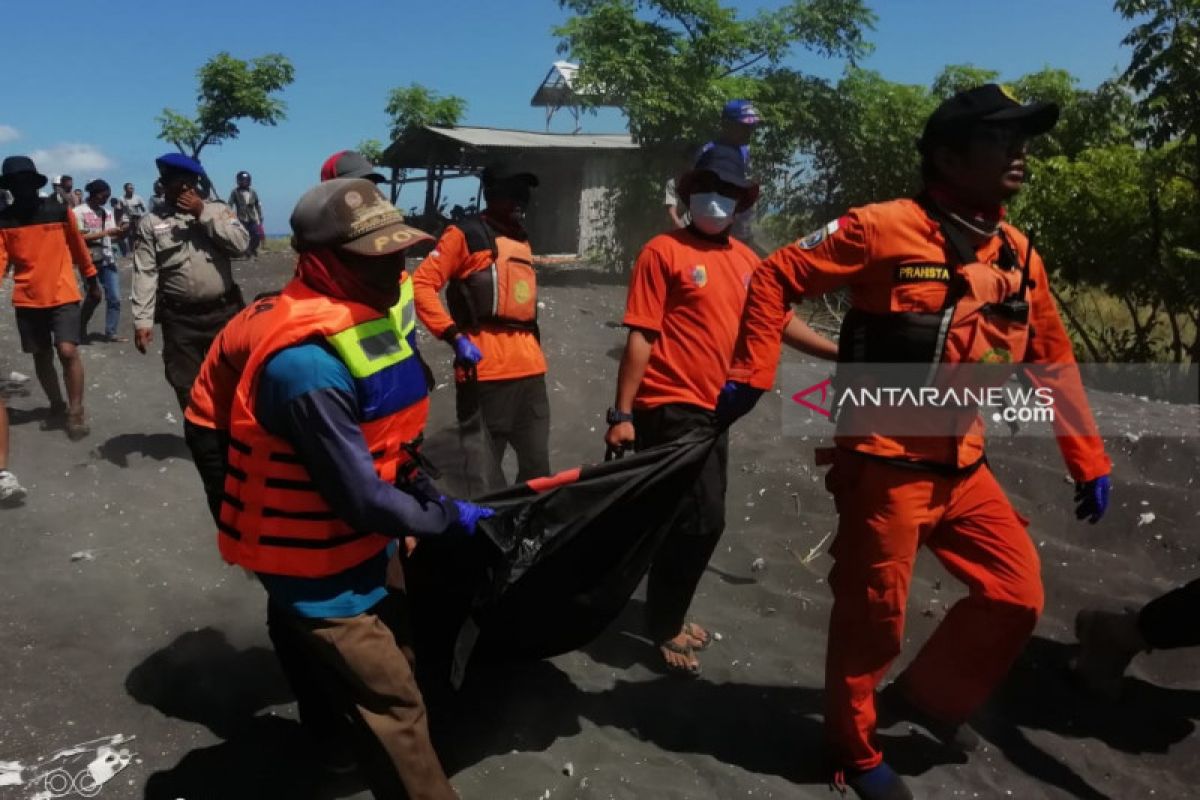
(879, 783)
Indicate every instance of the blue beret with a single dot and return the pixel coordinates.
(178, 162)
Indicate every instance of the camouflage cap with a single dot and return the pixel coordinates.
(351, 214)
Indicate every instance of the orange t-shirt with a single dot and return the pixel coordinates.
(42, 250)
(690, 291)
(891, 256)
(507, 353)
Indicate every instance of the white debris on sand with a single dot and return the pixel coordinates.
(758, 564)
(83, 555)
(1145, 518)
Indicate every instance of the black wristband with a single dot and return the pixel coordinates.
(615, 417)
(450, 334)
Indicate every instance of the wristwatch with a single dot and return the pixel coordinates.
(613, 417)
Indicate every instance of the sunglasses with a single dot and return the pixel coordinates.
(1000, 135)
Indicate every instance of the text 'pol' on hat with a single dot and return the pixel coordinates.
(178, 162)
(990, 103)
(18, 165)
(350, 214)
(350, 164)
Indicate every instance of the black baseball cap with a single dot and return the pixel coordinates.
(350, 214)
(500, 174)
(990, 103)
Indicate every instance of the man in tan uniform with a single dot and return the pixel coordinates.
(182, 275)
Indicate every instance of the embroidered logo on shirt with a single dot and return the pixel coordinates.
(917, 273)
(699, 275)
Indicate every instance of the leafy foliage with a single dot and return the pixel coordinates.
(414, 106)
(230, 90)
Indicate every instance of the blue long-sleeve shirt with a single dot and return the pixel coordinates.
(307, 397)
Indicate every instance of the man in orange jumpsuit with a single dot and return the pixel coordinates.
(486, 265)
(896, 492)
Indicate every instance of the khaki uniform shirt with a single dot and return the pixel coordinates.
(184, 258)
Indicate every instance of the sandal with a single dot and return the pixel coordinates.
(670, 646)
(701, 638)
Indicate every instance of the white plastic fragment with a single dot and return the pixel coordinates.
(758, 564)
(1145, 518)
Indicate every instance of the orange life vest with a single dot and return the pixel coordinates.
(273, 518)
(503, 292)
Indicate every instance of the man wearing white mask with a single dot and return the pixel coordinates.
(683, 310)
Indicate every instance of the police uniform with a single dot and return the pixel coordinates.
(183, 279)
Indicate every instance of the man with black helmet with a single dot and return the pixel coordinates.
(182, 272)
(912, 264)
(244, 200)
(487, 265)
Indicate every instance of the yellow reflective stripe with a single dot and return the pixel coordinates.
(371, 346)
(405, 310)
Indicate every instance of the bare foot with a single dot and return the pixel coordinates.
(679, 656)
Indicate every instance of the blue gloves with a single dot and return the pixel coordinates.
(735, 401)
(465, 352)
(469, 515)
(1092, 498)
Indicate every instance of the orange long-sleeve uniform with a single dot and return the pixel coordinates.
(507, 353)
(892, 257)
(43, 249)
(873, 251)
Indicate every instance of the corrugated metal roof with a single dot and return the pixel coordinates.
(499, 137)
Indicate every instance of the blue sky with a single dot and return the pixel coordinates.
(85, 82)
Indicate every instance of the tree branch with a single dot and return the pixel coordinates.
(744, 64)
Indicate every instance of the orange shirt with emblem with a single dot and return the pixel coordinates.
(689, 290)
(507, 353)
(887, 256)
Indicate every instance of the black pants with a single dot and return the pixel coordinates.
(186, 339)
(516, 413)
(681, 559)
(1172, 620)
(209, 453)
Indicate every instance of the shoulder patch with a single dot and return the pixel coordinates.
(816, 237)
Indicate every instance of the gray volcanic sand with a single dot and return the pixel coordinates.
(118, 616)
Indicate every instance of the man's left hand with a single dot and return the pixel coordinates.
(1092, 498)
(93, 288)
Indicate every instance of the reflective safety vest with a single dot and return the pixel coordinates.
(504, 292)
(273, 518)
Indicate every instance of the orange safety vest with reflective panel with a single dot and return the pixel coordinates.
(273, 517)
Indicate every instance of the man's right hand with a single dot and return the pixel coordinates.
(465, 351)
(190, 202)
(142, 337)
(620, 436)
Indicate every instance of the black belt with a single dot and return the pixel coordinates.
(230, 298)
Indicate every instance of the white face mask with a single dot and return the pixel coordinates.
(711, 212)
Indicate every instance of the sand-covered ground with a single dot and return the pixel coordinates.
(118, 617)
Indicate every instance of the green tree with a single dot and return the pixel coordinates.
(414, 106)
(230, 90)
(671, 64)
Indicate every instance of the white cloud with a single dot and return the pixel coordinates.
(8, 133)
(82, 161)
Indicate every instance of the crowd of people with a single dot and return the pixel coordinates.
(304, 410)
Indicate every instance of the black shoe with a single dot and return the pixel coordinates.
(956, 736)
(879, 783)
